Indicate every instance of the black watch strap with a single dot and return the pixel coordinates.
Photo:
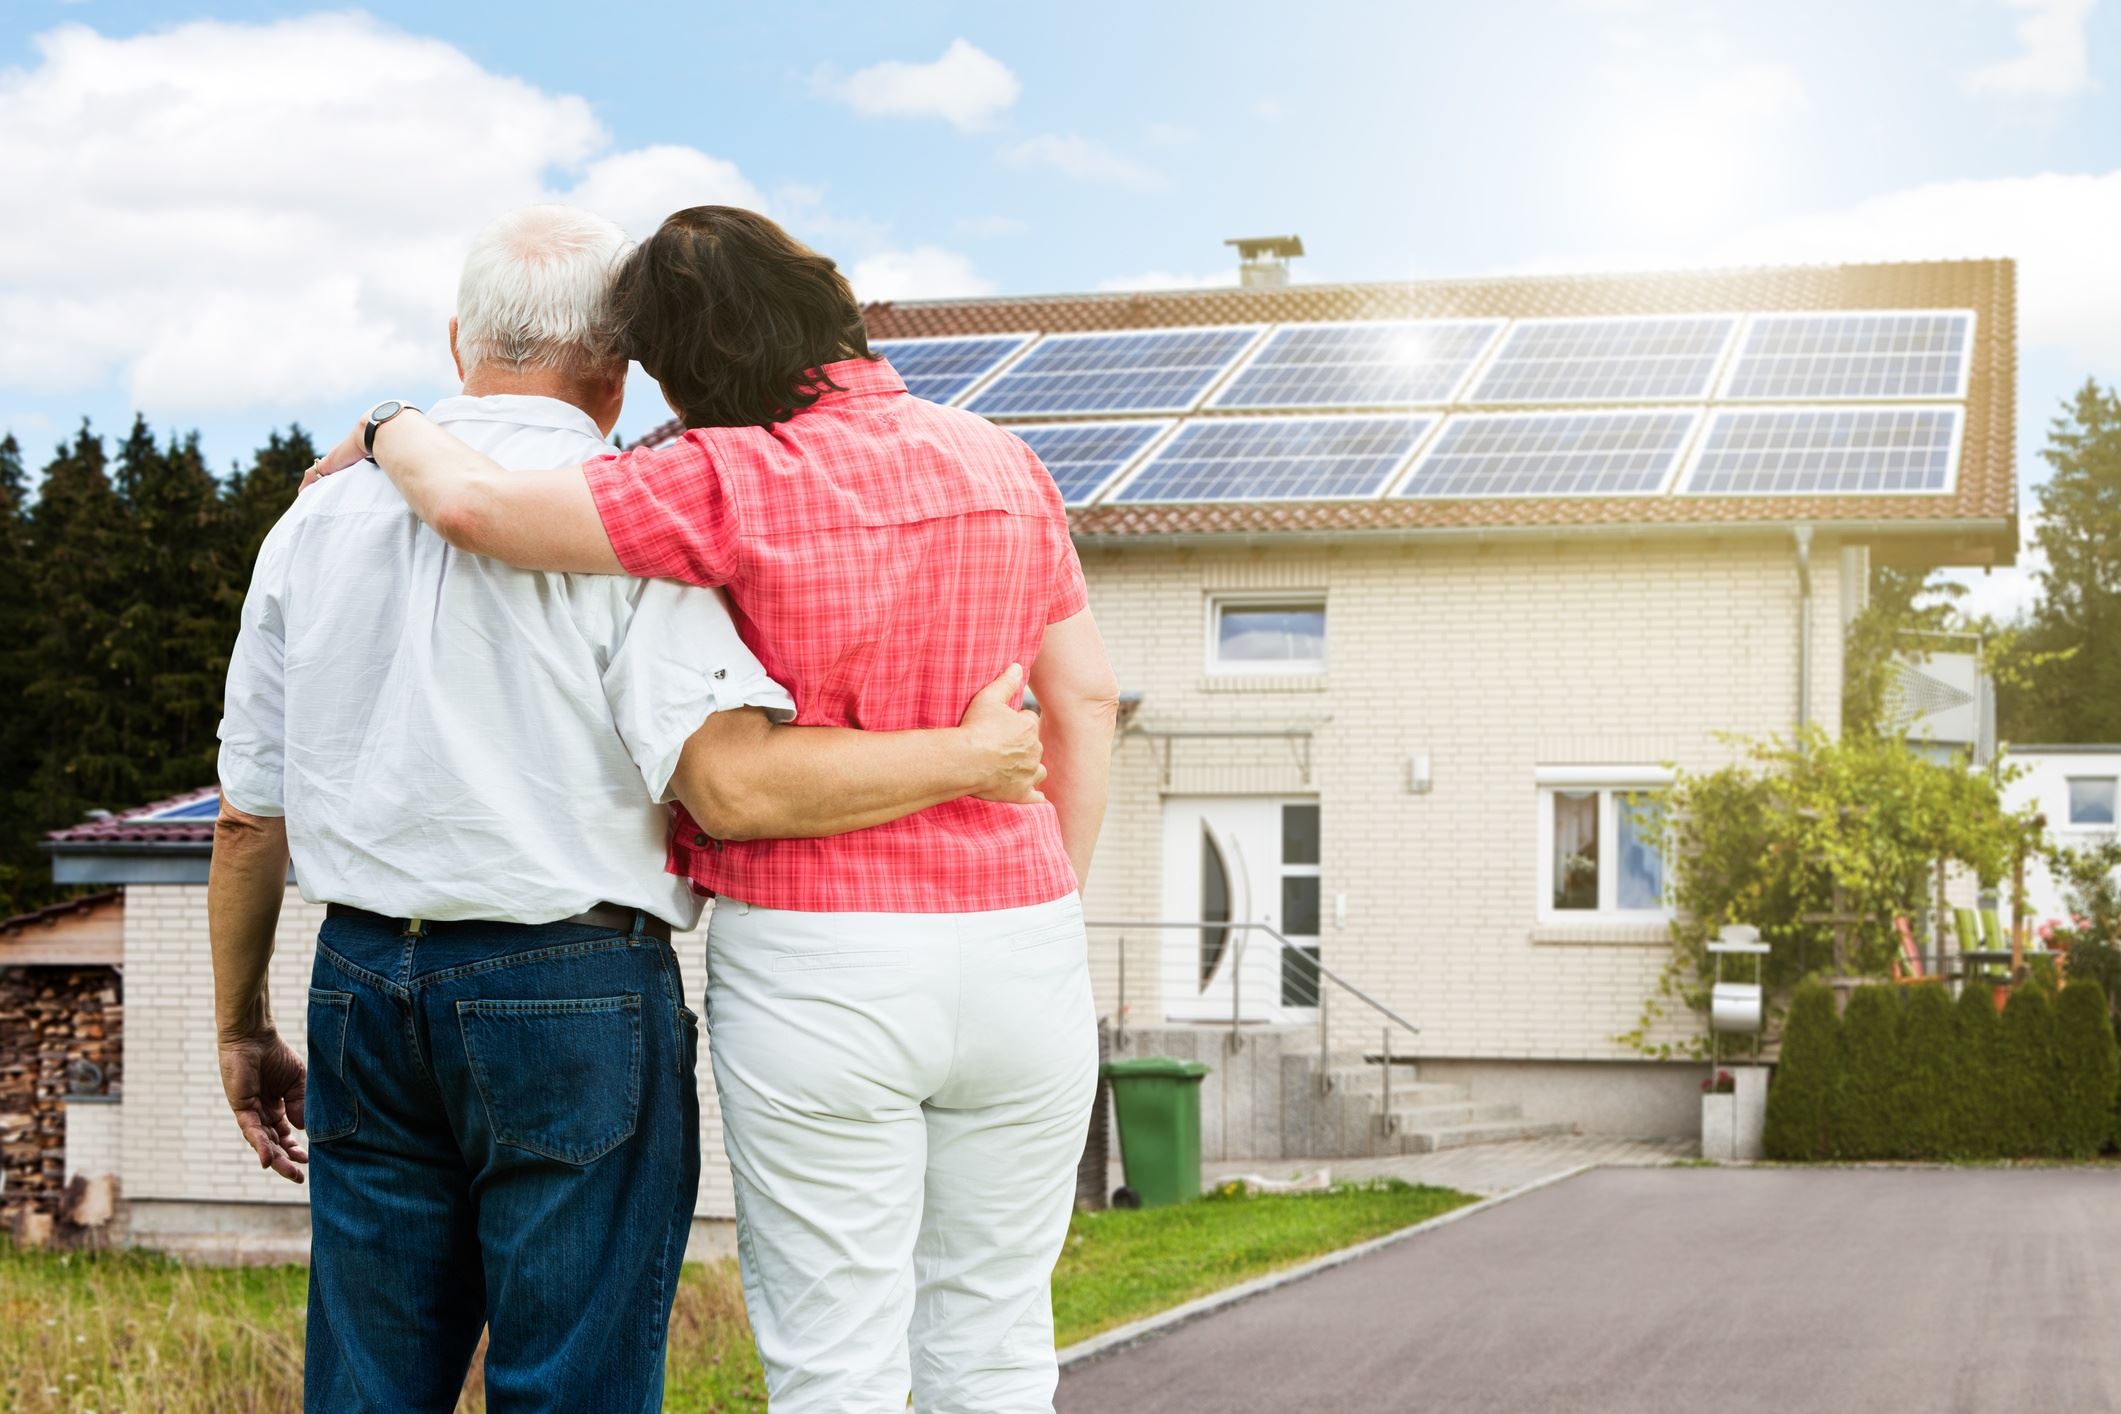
(378, 415)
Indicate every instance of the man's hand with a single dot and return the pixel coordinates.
(263, 1078)
(1006, 738)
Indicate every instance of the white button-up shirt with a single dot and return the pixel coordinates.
(452, 738)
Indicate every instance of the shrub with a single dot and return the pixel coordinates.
(1978, 1118)
(1925, 1099)
(2088, 1065)
(2026, 1073)
(1864, 1122)
(1800, 1101)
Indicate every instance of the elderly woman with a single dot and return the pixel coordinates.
(903, 1038)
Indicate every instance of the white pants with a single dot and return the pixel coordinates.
(904, 1101)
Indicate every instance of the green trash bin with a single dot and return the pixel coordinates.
(1157, 1101)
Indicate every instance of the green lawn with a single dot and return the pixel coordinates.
(131, 1332)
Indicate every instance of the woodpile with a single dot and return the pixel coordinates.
(51, 1018)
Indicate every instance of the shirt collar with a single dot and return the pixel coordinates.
(856, 377)
(519, 409)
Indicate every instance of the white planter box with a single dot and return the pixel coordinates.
(1732, 1125)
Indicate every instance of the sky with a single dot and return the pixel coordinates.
(233, 216)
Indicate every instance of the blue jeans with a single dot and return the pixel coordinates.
(504, 1134)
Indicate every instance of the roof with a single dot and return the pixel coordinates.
(1980, 515)
(179, 820)
(51, 913)
(77, 932)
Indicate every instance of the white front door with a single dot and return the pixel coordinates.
(1234, 861)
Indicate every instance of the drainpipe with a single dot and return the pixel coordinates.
(1804, 629)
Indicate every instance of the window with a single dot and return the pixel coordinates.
(1267, 635)
(1603, 846)
(2091, 800)
(1300, 904)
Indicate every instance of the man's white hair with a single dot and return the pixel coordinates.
(536, 290)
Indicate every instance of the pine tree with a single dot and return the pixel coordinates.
(2089, 1065)
(1981, 1116)
(23, 872)
(1800, 1101)
(1922, 1101)
(2076, 698)
(1870, 1072)
(258, 496)
(2027, 1073)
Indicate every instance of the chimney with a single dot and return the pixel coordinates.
(1263, 261)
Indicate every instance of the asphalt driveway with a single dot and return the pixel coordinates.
(1657, 1291)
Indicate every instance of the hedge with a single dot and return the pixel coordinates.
(1908, 1074)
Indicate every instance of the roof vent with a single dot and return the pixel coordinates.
(1264, 260)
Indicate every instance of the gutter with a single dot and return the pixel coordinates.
(1681, 530)
(1803, 537)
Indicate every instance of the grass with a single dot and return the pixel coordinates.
(128, 1331)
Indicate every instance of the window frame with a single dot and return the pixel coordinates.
(1610, 784)
(1220, 603)
(2113, 802)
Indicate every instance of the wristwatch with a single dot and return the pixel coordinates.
(378, 415)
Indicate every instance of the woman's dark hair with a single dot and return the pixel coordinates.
(734, 317)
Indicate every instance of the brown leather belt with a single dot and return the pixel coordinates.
(616, 917)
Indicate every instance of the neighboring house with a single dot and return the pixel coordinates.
(2078, 790)
(62, 1023)
(1419, 593)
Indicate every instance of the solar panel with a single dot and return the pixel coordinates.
(1827, 451)
(1276, 459)
(205, 808)
(1875, 354)
(940, 370)
(1606, 360)
(1083, 456)
(1397, 364)
(1139, 370)
(1597, 453)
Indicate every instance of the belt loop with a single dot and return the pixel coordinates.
(640, 925)
(415, 928)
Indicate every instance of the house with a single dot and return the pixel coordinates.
(1419, 593)
(2077, 789)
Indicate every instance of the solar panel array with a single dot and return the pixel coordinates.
(1404, 363)
(1826, 451)
(1476, 407)
(1597, 453)
(941, 370)
(1277, 459)
(1607, 360)
(1145, 371)
(1883, 354)
(1083, 456)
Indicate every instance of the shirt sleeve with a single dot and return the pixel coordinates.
(1070, 594)
(669, 511)
(678, 661)
(253, 727)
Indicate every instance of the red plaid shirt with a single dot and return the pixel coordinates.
(887, 559)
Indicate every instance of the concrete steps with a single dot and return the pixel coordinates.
(1459, 1136)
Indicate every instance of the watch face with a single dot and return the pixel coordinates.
(385, 411)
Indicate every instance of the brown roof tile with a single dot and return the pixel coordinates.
(128, 826)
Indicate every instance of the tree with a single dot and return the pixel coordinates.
(2089, 1083)
(2076, 697)
(1800, 1102)
(1864, 1119)
(1979, 1113)
(2027, 1068)
(1923, 1100)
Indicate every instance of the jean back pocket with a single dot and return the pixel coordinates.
(559, 1078)
(328, 1104)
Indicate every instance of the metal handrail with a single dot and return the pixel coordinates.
(1237, 959)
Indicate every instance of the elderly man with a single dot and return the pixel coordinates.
(469, 765)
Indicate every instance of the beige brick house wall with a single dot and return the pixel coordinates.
(179, 1141)
(1494, 658)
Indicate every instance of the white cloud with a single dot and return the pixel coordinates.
(924, 272)
(1271, 109)
(966, 87)
(233, 216)
(2054, 55)
(1170, 280)
(1078, 157)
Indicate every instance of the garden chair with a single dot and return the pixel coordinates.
(1968, 931)
(1906, 962)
